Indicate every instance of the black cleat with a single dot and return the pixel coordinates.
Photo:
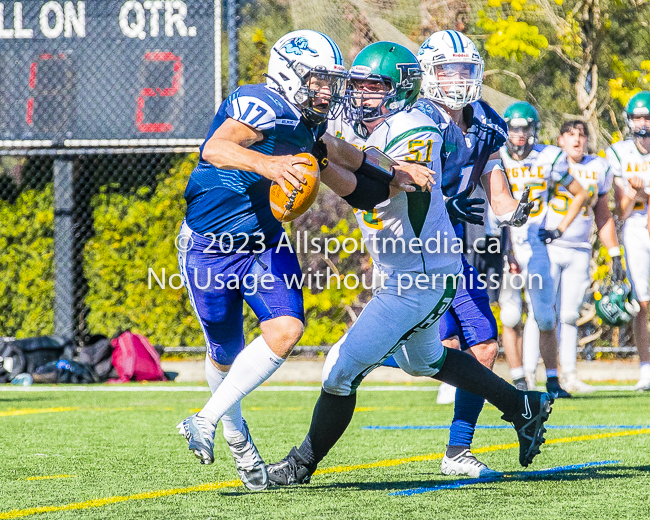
(534, 410)
(553, 387)
(290, 471)
(520, 384)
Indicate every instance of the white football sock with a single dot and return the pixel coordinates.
(254, 365)
(645, 370)
(568, 348)
(232, 419)
(517, 373)
(531, 345)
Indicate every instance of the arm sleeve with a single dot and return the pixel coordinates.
(606, 180)
(614, 162)
(252, 111)
(560, 169)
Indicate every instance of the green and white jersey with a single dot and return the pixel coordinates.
(411, 232)
(594, 175)
(341, 129)
(626, 162)
(544, 167)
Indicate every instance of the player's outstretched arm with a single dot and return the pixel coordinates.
(497, 188)
(348, 157)
(580, 199)
(228, 149)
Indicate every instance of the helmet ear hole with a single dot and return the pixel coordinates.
(632, 307)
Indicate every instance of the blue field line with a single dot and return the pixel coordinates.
(507, 427)
(517, 475)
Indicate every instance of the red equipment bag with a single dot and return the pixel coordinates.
(135, 359)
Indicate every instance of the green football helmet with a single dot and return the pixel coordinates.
(639, 105)
(615, 305)
(384, 78)
(522, 116)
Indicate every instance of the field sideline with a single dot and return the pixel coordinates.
(84, 454)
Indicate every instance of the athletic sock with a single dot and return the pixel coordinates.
(464, 371)
(232, 419)
(254, 365)
(452, 451)
(332, 415)
(467, 408)
(551, 372)
(517, 373)
(645, 370)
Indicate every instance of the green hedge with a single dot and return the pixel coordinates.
(135, 233)
(27, 264)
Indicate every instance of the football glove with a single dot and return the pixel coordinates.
(618, 271)
(548, 235)
(462, 209)
(520, 216)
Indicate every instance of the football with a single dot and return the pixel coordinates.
(286, 209)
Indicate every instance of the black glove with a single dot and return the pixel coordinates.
(618, 271)
(523, 209)
(319, 151)
(462, 209)
(548, 235)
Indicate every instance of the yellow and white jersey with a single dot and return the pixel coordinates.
(626, 162)
(595, 176)
(544, 167)
(411, 232)
(341, 129)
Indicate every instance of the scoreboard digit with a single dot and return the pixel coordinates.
(87, 74)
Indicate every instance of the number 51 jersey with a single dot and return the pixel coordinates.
(410, 219)
(544, 167)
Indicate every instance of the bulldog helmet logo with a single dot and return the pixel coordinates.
(297, 46)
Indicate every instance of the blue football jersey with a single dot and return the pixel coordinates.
(460, 151)
(236, 202)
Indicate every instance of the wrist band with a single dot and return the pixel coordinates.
(614, 251)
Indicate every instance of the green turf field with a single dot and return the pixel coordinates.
(117, 455)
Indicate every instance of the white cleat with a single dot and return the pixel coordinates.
(249, 463)
(466, 464)
(573, 385)
(446, 394)
(643, 385)
(199, 434)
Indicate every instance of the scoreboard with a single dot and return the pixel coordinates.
(94, 73)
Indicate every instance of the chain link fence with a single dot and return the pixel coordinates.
(102, 107)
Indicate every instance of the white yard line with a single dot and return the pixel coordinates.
(287, 388)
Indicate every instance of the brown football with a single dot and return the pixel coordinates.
(286, 209)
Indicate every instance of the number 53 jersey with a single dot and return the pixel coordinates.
(544, 168)
(595, 176)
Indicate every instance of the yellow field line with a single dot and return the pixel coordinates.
(47, 477)
(29, 411)
(99, 502)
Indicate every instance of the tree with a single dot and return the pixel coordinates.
(586, 35)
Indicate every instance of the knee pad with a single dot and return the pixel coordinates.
(546, 321)
(510, 316)
(413, 368)
(569, 317)
(336, 376)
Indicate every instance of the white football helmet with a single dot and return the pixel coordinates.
(452, 69)
(301, 64)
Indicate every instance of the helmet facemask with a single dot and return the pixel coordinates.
(321, 93)
(369, 98)
(527, 134)
(638, 131)
(452, 83)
